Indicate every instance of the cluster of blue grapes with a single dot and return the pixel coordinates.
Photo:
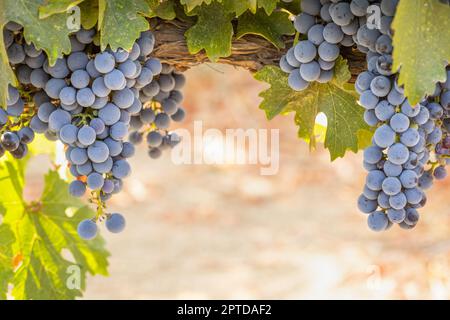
(403, 159)
(161, 100)
(15, 134)
(87, 100)
(328, 25)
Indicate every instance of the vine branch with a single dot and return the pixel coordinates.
(249, 52)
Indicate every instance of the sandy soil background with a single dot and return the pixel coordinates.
(225, 231)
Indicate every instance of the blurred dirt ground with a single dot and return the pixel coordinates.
(224, 232)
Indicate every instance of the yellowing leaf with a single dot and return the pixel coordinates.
(42, 231)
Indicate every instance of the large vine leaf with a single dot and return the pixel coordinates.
(212, 32)
(44, 233)
(421, 45)
(344, 116)
(121, 22)
(272, 27)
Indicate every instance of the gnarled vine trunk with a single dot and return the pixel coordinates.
(249, 52)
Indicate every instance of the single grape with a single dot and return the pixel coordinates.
(162, 121)
(315, 34)
(10, 141)
(296, 82)
(110, 114)
(87, 229)
(58, 119)
(398, 201)
(103, 167)
(121, 169)
(77, 188)
(123, 98)
(398, 153)
(328, 51)
(115, 223)
(372, 154)
(365, 205)
(26, 135)
(84, 169)
(68, 95)
(68, 134)
(305, 51)
(399, 122)
(80, 79)
(310, 71)
(374, 180)
(303, 22)
(104, 62)
(78, 156)
(380, 86)
(377, 221)
(118, 131)
(115, 147)
(95, 181)
(384, 136)
(396, 215)
(332, 33)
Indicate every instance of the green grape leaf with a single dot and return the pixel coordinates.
(421, 45)
(345, 122)
(46, 238)
(164, 10)
(191, 4)
(89, 13)
(121, 22)
(212, 32)
(271, 27)
(6, 259)
(293, 7)
(240, 6)
(268, 5)
(52, 7)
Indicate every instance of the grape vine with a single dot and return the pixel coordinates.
(115, 83)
